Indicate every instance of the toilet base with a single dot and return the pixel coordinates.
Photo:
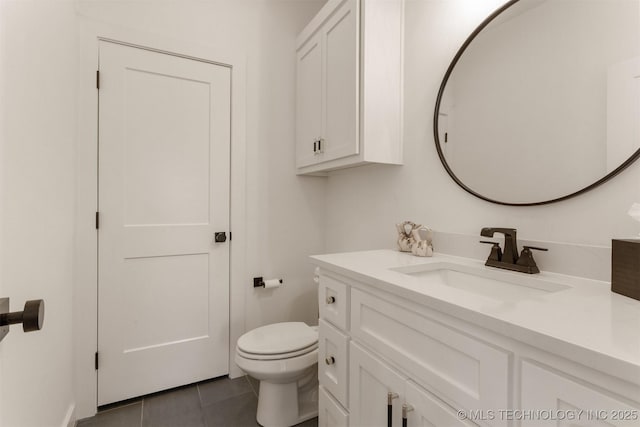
(275, 408)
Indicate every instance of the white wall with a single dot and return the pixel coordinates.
(285, 212)
(37, 80)
(365, 203)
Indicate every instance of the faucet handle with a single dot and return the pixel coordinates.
(526, 258)
(496, 251)
(524, 248)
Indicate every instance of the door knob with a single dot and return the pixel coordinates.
(220, 237)
(32, 317)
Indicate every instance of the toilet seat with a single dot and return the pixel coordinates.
(278, 341)
(276, 356)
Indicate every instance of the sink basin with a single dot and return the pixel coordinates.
(499, 285)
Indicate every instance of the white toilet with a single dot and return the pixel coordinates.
(284, 357)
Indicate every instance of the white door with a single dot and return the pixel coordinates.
(163, 283)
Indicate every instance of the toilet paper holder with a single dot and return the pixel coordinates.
(258, 282)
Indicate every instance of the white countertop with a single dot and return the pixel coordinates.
(585, 322)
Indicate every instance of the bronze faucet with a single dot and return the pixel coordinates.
(510, 260)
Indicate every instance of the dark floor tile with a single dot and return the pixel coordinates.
(222, 388)
(237, 411)
(183, 419)
(123, 416)
(178, 406)
(313, 422)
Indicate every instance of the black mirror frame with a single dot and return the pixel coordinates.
(455, 60)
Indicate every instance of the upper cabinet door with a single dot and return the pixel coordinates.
(308, 101)
(341, 83)
(349, 86)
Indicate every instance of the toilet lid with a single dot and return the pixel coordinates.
(278, 338)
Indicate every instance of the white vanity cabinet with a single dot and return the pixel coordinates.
(349, 86)
(370, 347)
(581, 405)
(378, 337)
(373, 380)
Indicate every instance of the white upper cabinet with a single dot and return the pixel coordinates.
(309, 101)
(349, 86)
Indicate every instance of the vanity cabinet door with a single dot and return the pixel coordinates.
(333, 361)
(370, 382)
(330, 413)
(550, 399)
(428, 410)
(308, 101)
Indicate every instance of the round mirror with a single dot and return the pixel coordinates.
(542, 101)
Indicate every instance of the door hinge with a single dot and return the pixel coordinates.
(97, 79)
(96, 360)
(97, 220)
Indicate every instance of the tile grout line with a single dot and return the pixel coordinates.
(199, 396)
(142, 412)
(204, 419)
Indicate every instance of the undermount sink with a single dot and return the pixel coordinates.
(499, 285)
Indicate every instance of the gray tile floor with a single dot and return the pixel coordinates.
(215, 403)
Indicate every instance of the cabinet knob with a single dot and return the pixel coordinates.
(331, 300)
(329, 360)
